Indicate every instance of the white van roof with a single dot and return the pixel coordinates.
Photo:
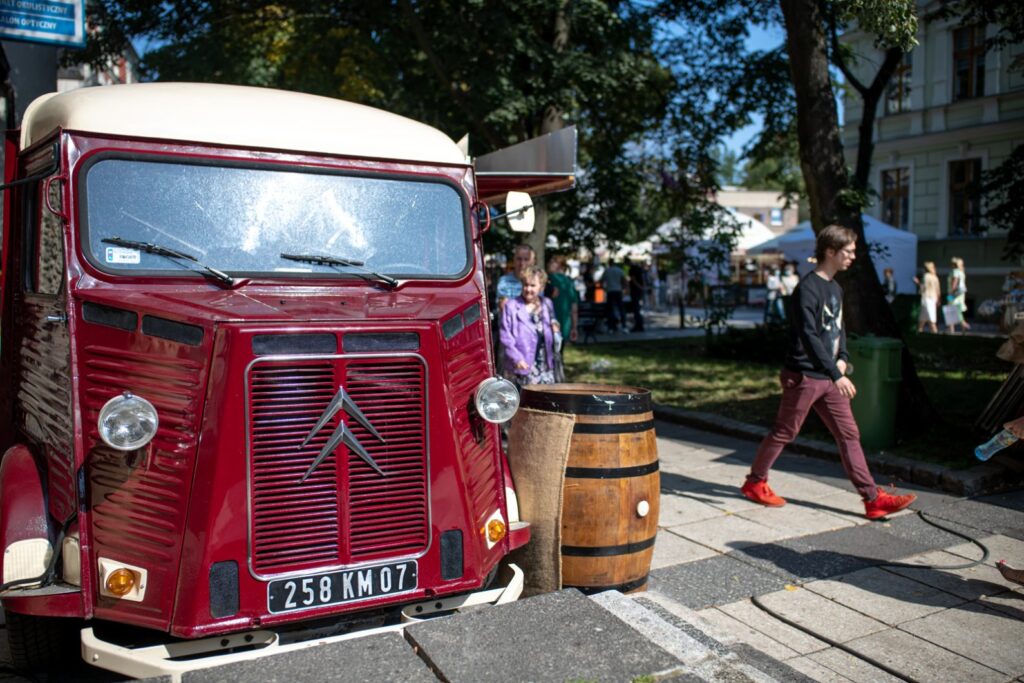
(238, 116)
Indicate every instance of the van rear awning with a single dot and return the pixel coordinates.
(538, 166)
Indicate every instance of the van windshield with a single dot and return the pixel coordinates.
(241, 219)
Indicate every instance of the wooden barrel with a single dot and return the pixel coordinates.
(612, 484)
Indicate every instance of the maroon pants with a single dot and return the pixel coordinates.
(799, 395)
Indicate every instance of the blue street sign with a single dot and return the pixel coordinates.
(55, 22)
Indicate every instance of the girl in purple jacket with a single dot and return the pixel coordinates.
(530, 333)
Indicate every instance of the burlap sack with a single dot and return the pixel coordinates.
(1012, 349)
(538, 449)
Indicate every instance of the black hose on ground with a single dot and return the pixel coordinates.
(860, 655)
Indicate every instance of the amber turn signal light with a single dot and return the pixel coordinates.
(495, 530)
(120, 582)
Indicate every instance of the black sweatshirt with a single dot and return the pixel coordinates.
(816, 335)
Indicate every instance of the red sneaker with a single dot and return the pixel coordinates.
(761, 492)
(886, 504)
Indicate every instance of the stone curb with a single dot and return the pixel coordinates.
(983, 478)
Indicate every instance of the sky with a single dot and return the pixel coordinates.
(759, 39)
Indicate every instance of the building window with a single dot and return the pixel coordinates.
(897, 95)
(965, 197)
(969, 62)
(896, 197)
(776, 217)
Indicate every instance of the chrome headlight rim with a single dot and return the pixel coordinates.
(492, 384)
(117, 402)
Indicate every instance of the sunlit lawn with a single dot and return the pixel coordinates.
(960, 375)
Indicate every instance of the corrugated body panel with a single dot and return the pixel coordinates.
(467, 367)
(139, 508)
(44, 401)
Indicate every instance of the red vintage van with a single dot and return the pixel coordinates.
(248, 388)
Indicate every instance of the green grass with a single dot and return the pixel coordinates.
(960, 375)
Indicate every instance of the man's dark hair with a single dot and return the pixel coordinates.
(833, 237)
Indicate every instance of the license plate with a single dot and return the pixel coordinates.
(347, 585)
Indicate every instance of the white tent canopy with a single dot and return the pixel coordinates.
(890, 248)
(752, 231)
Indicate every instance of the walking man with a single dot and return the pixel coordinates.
(814, 376)
(613, 279)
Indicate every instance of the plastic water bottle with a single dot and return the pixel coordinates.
(995, 444)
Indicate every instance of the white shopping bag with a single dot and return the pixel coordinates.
(951, 314)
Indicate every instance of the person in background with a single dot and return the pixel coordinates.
(956, 291)
(928, 287)
(889, 284)
(613, 280)
(773, 297)
(564, 297)
(814, 376)
(510, 284)
(789, 279)
(530, 333)
(637, 290)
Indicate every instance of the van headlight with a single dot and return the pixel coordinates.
(127, 422)
(497, 400)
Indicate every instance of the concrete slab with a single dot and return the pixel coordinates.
(731, 473)
(851, 667)
(382, 657)
(981, 634)
(670, 549)
(817, 670)
(747, 634)
(747, 613)
(920, 660)
(1010, 602)
(913, 528)
(714, 581)
(842, 503)
(683, 508)
(790, 485)
(728, 532)
(993, 519)
(1000, 548)
(558, 637)
(889, 598)
(869, 542)
(724, 497)
(970, 584)
(821, 615)
(797, 562)
(796, 520)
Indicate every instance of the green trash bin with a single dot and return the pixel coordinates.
(877, 364)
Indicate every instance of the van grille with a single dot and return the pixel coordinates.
(344, 512)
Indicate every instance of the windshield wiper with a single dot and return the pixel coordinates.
(174, 254)
(335, 261)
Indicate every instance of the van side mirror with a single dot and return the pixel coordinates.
(519, 211)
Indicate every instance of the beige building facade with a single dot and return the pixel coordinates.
(952, 112)
(767, 206)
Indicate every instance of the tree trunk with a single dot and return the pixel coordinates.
(865, 310)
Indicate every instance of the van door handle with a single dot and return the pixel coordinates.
(61, 318)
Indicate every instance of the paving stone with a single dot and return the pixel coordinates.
(732, 474)
(728, 532)
(920, 660)
(789, 485)
(816, 670)
(820, 615)
(679, 507)
(1013, 500)
(796, 520)
(726, 498)
(714, 581)
(797, 562)
(968, 583)
(913, 528)
(762, 663)
(869, 542)
(381, 657)
(879, 594)
(993, 519)
(1010, 602)
(558, 637)
(747, 634)
(984, 635)
(1000, 548)
(853, 668)
(670, 549)
(747, 613)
